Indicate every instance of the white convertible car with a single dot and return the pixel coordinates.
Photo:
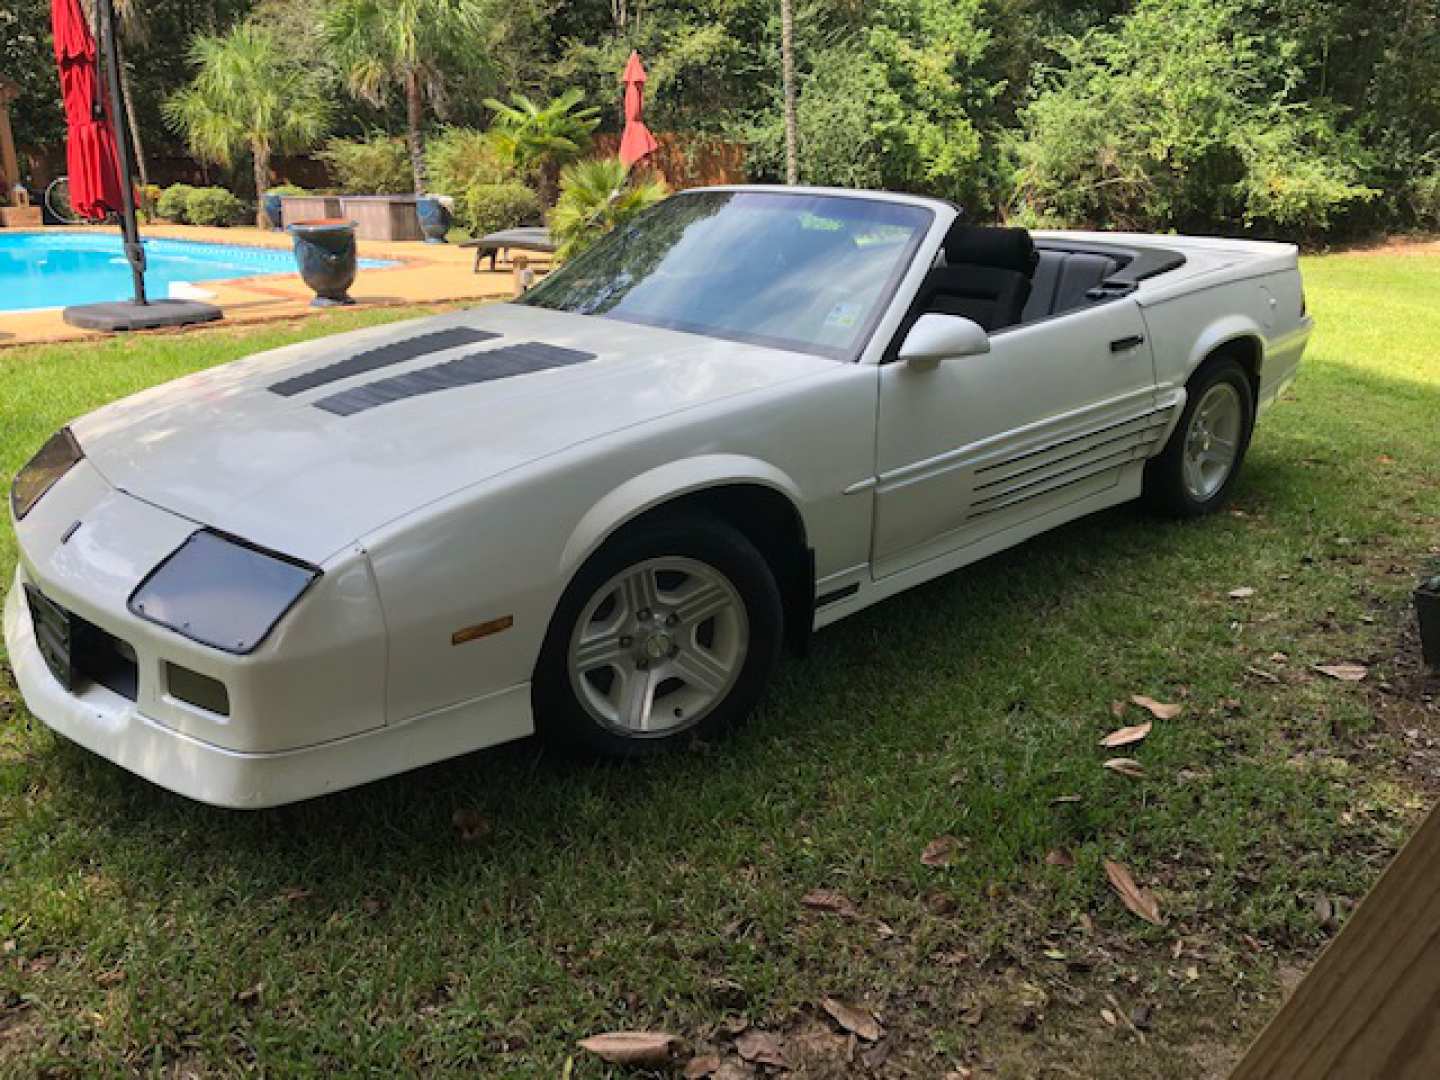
(600, 512)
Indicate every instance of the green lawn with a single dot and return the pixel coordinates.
(357, 934)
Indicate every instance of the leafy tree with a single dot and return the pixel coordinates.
(1177, 116)
(535, 140)
(596, 196)
(248, 94)
(412, 44)
(888, 99)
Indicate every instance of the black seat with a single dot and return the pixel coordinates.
(986, 277)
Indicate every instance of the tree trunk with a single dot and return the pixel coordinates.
(137, 147)
(787, 68)
(262, 181)
(414, 117)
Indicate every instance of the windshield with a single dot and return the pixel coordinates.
(805, 272)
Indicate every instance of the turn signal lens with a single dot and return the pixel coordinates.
(57, 457)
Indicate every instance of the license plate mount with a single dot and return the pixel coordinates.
(54, 634)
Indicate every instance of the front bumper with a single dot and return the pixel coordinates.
(115, 728)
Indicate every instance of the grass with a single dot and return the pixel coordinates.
(357, 934)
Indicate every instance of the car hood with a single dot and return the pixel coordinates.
(224, 448)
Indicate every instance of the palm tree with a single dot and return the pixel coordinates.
(537, 140)
(132, 31)
(379, 44)
(251, 94)
(787, 78)
(595, 197)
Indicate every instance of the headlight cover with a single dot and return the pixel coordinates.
(43, 471)
(221, 591)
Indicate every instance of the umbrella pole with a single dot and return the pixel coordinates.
(134, 252)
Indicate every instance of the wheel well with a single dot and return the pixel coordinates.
(1248, 352)
(771, 522)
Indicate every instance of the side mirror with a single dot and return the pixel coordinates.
(936, 337)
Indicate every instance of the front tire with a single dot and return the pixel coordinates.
(669, 632)
(1196, 471)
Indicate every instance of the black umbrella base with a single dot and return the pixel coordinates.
(128, 315)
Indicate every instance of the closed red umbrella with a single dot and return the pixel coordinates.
(636, 142)
(90, 154)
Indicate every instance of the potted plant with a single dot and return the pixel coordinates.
(326, 253)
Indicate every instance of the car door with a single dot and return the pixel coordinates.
(975, 445)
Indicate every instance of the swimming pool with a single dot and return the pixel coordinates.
(56, 269)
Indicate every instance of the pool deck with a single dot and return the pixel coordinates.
(425, 273)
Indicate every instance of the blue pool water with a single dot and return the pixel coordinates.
(55, 269)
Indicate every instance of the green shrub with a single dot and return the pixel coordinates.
(213, 206)
(286, 189)
(171, 204)
(597, 196)
(1425, 200)
(379, 165)
(459, 158)
(486, 208)
(1177, 117)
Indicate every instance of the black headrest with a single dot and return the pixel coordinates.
(980, 245)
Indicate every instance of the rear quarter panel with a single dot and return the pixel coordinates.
(1185, 327)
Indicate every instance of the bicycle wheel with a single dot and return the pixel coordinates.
(57, 201)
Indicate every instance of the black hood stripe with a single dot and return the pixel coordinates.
(481, 367)
(396, 352)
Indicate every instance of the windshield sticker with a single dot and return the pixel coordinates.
(845, 315)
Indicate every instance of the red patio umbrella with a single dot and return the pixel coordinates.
(90, 153)
(636, 142)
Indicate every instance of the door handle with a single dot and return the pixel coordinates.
(1125, 344)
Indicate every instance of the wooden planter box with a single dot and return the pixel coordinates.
(20, 217)
(309, 207)
(382, 217)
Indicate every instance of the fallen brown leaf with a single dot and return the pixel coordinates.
(1157, 709)
(1059, 857)
(294, 894)
(700, 1067)
(1126, 766)
(1141, 902)
(972, 1016)
(1109, 1017)
(1126, 735)
(761, 1048)
(854, 1019)
(940, 852)
(631, 1047)
(470, 826)
(875, 1057)
(1344, 672)
(828, 900)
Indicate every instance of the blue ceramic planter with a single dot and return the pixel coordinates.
(326, 254)
(435, 218)
(274, 210)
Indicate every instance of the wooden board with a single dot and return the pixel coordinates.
(1371, 1005)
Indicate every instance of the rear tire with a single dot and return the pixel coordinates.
(1196, 471)
(669, 632)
